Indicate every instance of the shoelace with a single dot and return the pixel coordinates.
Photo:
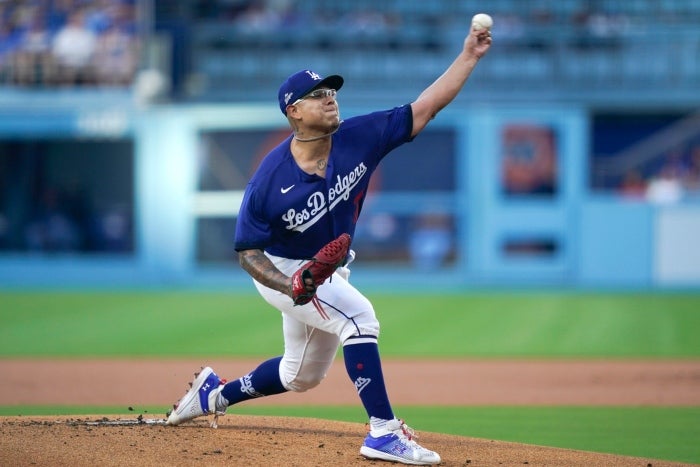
(408, 432)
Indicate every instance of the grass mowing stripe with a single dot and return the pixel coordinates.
(546, 324)
(136, 324)
(668, 433)
(661, 433)
(194, 324)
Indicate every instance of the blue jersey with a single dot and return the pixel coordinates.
(290, 213)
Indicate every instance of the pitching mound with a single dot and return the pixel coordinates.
(249, 441)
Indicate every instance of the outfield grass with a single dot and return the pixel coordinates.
(508, 325)
(551, 325)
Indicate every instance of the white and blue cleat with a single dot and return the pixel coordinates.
(396, 443)
(199, 400)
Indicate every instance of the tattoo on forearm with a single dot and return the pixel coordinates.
(260, 268)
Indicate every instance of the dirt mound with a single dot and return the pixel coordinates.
(270, 441)
(250, 441)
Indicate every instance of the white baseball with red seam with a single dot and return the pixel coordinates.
(482, 21)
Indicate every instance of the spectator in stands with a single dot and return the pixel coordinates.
(73, 50)
(8, 47)
(116, 56)
(664, 190)
(58, 14)
(633, 185)
(51, 229)
(99, 15)
(114, 230)
(259, 17)
(33, 58)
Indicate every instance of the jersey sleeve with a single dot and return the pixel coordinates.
(252, 229)
(395, 126)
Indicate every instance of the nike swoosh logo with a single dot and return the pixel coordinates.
(284, 190)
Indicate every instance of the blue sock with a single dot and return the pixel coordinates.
(364, 367)
(263, 381)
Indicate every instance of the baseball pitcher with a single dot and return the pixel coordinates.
(293, 237)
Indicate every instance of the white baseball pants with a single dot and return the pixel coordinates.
(313, 332)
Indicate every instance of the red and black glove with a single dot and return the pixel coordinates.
(322, 266)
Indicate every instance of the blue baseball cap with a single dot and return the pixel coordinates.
(303, 82)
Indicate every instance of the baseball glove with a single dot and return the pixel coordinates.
(315, 272)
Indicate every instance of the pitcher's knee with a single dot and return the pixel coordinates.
(300, 378)
(368, 326)
(301, 384)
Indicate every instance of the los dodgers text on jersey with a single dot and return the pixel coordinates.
(317, 207)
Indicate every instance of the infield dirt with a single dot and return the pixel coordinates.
(285, 441)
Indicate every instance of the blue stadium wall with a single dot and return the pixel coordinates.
(573, 238)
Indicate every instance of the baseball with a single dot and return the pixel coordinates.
(482, 21)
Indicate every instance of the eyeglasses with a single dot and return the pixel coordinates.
(317, 94)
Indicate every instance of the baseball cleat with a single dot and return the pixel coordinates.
(397, 443)
(199, 400)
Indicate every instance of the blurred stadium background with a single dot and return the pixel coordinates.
(128, 129)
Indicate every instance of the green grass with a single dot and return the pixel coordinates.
(193, 324)
(651, 432)
(176, 324)
(164, 324)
